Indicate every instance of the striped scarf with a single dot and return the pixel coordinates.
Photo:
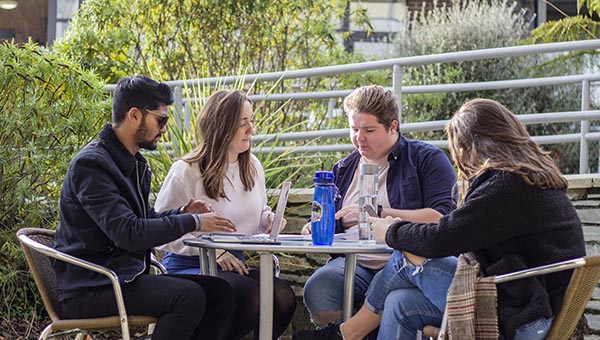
(471, 303)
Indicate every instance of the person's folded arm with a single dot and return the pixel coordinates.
(471, 227)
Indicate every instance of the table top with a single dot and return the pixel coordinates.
(300, 246)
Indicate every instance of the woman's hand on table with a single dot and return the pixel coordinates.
(381, 225)
(230, 263)
(270, 223)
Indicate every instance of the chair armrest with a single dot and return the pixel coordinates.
(546, 269)
(114, 279)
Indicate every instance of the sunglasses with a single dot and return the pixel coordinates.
(162, 119)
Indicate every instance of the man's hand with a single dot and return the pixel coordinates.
(230, 263)
(348, 215)
(307, 229)
(196, 207)
(212, 222)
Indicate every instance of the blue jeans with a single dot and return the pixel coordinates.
(324, 289)
(182, 264)
(408, 297)
(536, 330)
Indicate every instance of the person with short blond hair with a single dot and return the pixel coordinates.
(416, 182)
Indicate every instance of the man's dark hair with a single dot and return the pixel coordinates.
(141, 92)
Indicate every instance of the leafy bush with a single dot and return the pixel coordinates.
(187, 39)
(49, 109)
(443, 29)
(278, 167)
(579, 27)
(191, 39)
(468, 25)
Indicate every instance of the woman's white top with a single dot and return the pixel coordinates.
(248, 210)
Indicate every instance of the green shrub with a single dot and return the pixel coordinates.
(469, 25)
(197, 38)
(187, 39)
(49, 109)
(443, 29)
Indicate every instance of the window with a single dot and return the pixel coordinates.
(60, 13)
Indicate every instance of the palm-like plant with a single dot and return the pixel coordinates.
(182, 137)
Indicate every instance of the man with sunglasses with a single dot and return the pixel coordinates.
(106, 218)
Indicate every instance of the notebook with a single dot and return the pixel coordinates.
(259, 238)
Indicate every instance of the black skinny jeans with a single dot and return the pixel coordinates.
(187, 306)
(246, 311)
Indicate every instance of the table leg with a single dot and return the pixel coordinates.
(266, 296)
(209, 266)
(203, 261)
(349, 272)
(212, 262)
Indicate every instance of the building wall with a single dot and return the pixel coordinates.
(29, 19)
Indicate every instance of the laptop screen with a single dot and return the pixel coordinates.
(279, 211)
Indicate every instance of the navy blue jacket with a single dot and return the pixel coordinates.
(420, 176)
(105, 216)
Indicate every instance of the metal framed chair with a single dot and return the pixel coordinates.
(584, 280)
(37, 244)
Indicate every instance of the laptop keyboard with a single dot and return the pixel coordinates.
(262, 239)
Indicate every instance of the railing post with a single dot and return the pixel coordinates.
(179, 113)
(397, 86)
(584, 149)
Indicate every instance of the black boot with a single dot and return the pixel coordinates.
(330, 332)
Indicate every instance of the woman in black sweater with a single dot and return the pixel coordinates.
(515, 214)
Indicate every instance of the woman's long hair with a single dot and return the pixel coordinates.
(217, 123)
(483, 134)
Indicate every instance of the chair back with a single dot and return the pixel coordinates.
(581, 287)
(41, 265)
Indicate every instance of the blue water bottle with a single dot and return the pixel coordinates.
(323, 209)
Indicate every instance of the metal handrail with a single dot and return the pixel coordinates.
(395, 66)
(389, 63)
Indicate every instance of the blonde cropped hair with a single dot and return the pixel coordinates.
(374, 100)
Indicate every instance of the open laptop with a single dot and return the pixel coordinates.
(260, 238)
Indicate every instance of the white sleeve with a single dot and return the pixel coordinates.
(174, 194)
(261, 186)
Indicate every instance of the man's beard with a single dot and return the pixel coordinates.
(140, 137)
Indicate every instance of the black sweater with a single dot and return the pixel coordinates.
(509, 225)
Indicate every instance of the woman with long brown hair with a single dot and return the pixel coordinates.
(223, 172)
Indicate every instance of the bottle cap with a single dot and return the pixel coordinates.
(369, 169)
(324, 177)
